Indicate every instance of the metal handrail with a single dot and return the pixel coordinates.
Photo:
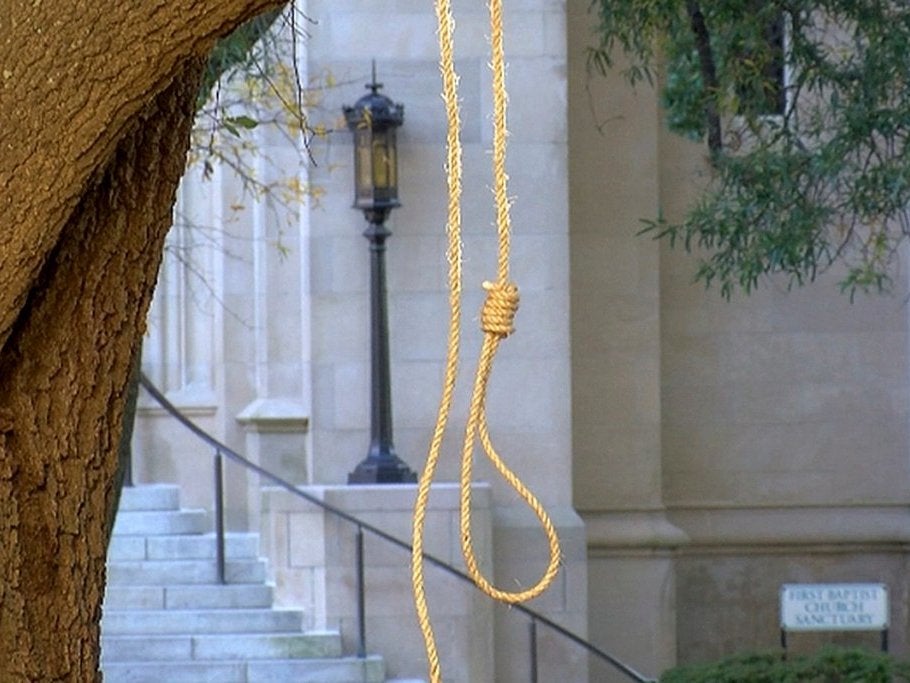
(222, 450)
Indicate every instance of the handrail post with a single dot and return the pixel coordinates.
(361, 597)
(532, 636)
(128, 469)
(219, 516)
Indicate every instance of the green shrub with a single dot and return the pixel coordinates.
(830, 665)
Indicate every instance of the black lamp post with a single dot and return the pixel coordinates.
(373, 120)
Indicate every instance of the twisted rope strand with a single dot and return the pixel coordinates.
(497, 318)
(500, 135)
(445, 33)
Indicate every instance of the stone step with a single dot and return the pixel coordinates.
(181, 572)
(170, 672)
(201, 622)
(348, 670)
(182, 547)
(167, 620)
(246, 646)
(198, 596)
(161, 522)
(150, 497)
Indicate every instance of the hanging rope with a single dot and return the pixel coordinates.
(496, 317)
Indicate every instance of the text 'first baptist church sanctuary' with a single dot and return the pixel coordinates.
(856, 607)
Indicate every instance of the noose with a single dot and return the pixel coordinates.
(497, 318)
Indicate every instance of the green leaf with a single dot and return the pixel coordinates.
(242, 121)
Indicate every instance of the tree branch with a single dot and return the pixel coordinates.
(710, 85)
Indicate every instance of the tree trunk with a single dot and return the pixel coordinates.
(96, 103)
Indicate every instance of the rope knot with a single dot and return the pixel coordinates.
(499, 309)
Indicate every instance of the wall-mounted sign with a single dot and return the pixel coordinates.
(834, 607)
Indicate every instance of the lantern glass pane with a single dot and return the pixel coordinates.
(380, 161)
(385, 167)
(392, 162)
(363, 167)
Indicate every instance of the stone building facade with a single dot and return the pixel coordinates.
(696, 454)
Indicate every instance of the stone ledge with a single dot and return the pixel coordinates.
(795, 526)
(193, 400)
(636, 529)
(274, 415)
(355, 498)
(702, 529)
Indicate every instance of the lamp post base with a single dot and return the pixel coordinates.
(388, 470)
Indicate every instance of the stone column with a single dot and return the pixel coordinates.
(615, 181)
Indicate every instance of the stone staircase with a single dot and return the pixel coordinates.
(167, 619)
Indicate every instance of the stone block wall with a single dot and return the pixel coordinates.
(313, 559)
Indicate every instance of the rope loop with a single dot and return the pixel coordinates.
(499, 309)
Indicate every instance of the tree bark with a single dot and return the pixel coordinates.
(96, 103)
